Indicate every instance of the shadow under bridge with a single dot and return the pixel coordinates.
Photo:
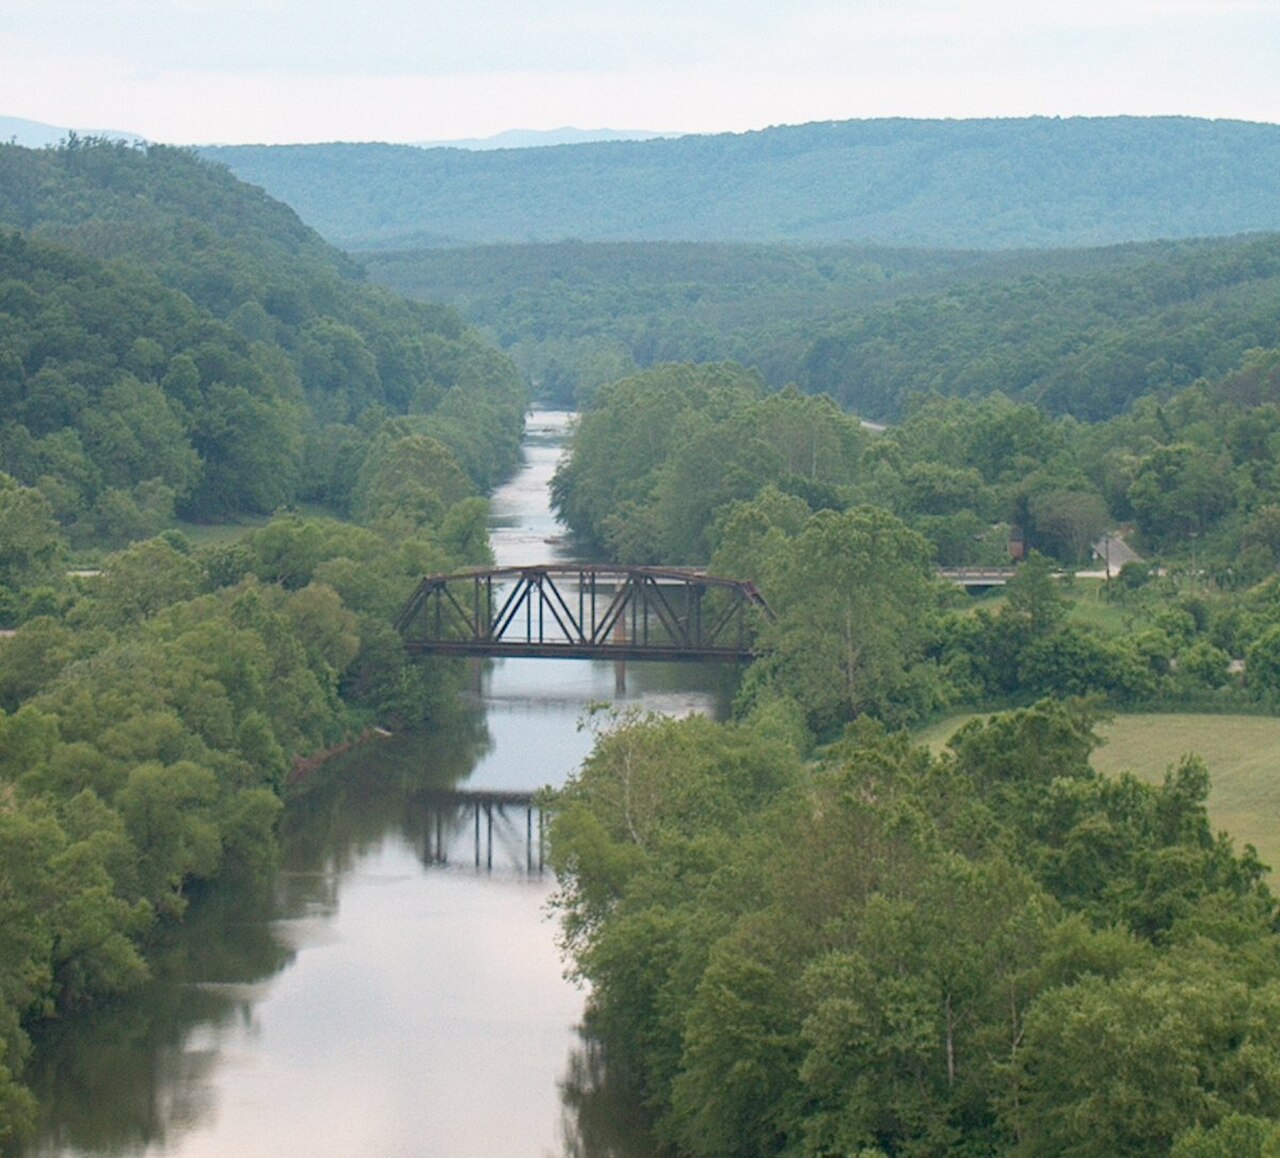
(583, 611)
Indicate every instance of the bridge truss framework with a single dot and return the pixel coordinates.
(583, 611)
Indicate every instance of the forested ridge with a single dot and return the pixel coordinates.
(1082, 331)
(1087, 344)
(982, 184)
(227, 325)
(574, 314)
(173, 343)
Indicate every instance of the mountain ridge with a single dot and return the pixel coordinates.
(1036, 182)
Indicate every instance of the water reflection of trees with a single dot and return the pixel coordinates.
(126, 1077)
(350, 804)
(600, 1116)
(141, 1072)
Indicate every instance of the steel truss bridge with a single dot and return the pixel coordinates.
(583, 611)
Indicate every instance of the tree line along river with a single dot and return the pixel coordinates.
(388, 997)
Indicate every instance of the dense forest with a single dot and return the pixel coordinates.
(805, 936)
(974, 184)
(174, 343)
(1088, 345)
(1080, 332)
(702, 465)
(885, 952)
(205, 352)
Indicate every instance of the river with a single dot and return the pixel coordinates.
(379, 1002)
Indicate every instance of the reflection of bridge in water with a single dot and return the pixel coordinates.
(483, 812)
(565, 611)
(583, 611)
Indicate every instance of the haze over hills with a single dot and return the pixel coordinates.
(538, 138)
(38, 135)
(985, 184)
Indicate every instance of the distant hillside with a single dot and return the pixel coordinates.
(985, 184)
(576, 314)
(1079, 331)
(1088, 343)
(173, 339)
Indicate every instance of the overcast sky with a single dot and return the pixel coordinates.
(235, 71)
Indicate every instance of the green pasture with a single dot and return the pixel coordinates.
(1087, 603)
(1242, 752)
(1243, 755)
(217, 534)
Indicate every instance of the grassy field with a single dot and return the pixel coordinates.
(1242, 752)
(215, 534)
(1087, 603)
(936, 735)
(1243, 755)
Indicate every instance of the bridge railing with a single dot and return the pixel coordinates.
(583, 611)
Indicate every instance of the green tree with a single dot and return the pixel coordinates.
(1066, 523)
(134, 432)
(30, 544)
(1033, 596)
(853, 593)
(408, 482)
(1127, 1066)
(252, 452)
(908, 1027)
(137, 583)
(620, 446)
(1178, 490)
(168, 815)
(1262, 663)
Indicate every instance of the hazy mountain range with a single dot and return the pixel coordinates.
(39, 135)
(985, 184)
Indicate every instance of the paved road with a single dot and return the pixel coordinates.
(1114, 553)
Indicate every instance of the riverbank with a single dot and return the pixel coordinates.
(386, 996)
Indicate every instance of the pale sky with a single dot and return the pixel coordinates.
(240, 71)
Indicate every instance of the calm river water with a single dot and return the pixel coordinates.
(379, 1002)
